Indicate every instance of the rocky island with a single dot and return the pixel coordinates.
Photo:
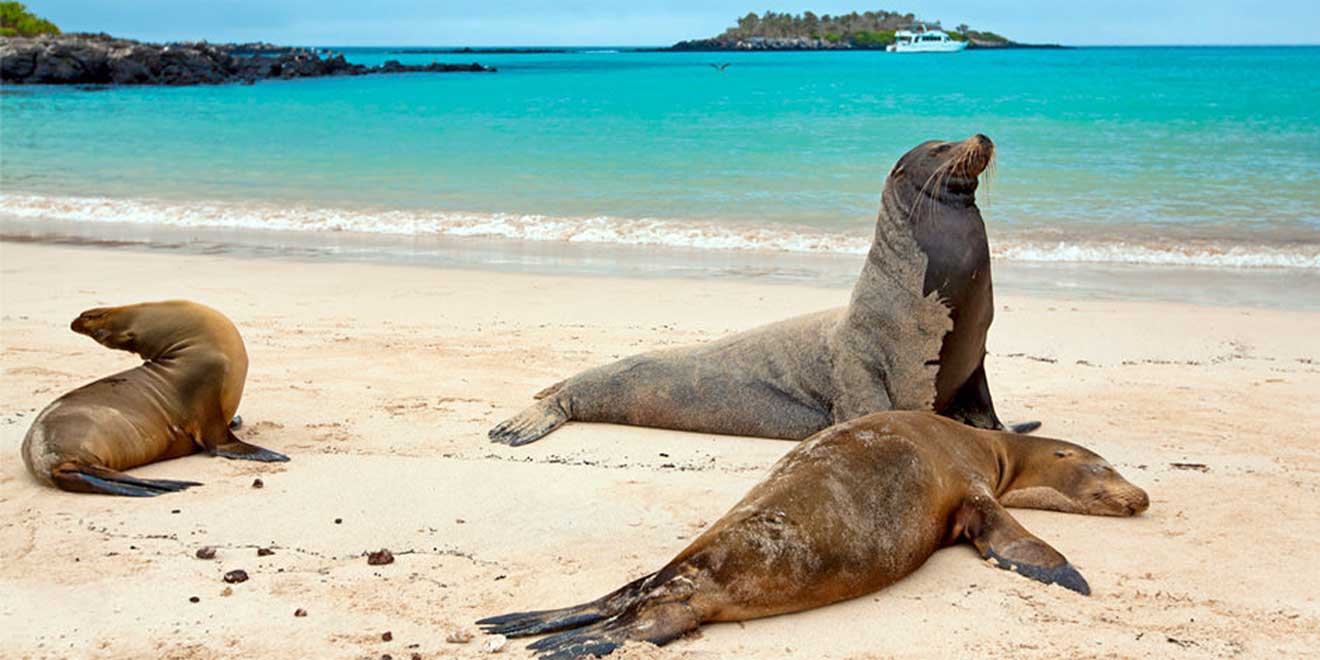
(99, 59)
(872, 30)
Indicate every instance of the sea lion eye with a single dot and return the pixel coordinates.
(1060, 453)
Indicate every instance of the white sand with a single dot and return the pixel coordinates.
(380, 382)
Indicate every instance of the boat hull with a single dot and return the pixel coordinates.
(941, 47)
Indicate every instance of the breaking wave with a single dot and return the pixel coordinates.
(689, 234)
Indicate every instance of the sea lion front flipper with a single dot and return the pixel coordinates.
(1004, 542)
(531, 424)
(92, 479)
(237, 449)
(1024, 427)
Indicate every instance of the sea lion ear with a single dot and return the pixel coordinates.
(1004, 542)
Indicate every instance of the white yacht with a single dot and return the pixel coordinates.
(922, 39)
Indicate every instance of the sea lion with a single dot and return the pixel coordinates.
(182, 398)
(851, 510)
(912, 337)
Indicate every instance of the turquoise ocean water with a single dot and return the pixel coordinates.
(1200, 157)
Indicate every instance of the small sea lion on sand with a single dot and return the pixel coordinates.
(181, 399)
(851, 510)
(913, 336)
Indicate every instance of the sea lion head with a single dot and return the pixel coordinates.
(148, 329)
(1061, 476)
(947, 172)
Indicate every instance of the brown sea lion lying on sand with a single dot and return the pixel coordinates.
(851, 510)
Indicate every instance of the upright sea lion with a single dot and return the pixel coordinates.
(912, 338)
(850, 510)
(181, 399)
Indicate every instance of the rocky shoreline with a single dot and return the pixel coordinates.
(99, 59)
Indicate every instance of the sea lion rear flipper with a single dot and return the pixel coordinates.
(92, 479)
(549, 390)
(522, 624)
(237, 449)
(657, 623)
(236, 422)
(531, 424)
(1003, 541)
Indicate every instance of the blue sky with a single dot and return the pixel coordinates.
(648, 22)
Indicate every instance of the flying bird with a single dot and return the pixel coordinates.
(721, 67)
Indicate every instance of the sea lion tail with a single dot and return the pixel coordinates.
(91, 479)
(523, 624)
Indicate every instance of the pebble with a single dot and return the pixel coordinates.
(264, 552)
(300, 612)
(257, 483)
(458, 636)
(380, 557)
(206, 552)
(387, 636)
(495, 644)
(236, 576)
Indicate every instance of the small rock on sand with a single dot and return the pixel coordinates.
(300, 612)
(458, 636)
(495, 644)
(380, 557)
(206, 552)
(236, 576)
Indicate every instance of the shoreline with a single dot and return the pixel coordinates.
(1264, 288)
(380, 380)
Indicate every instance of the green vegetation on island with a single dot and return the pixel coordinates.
(809, 31)
(17, 21)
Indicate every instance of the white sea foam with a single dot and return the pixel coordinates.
(702, 235)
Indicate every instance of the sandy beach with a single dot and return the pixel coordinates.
(380, 382)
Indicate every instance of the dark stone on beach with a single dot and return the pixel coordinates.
(264, 552)
(206, 552)
(236, 576)
(99, 59)
(258, 483)
(380, 557)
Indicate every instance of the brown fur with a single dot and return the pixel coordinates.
(179, 400)
(850, 510)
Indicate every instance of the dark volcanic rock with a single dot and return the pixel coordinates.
(99, 59)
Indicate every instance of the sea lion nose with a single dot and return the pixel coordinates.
(1141, 502)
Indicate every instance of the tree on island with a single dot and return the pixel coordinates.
(17, 21)
(870, 29)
